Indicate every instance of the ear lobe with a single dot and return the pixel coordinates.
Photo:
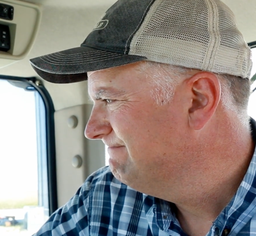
(205, 91)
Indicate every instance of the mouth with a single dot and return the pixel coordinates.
(114, 150)
(115, 147)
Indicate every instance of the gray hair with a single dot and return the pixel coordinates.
(164, 79)
(235, 91)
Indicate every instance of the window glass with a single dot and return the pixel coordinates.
(23, 169)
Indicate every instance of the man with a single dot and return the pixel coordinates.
(169, 82)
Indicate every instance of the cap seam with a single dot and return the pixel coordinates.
(214, 39)
(128, 42)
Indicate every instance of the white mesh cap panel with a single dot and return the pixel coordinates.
(233, 56)
(198, 34)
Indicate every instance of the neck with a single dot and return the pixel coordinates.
(214, 182)
(193, 225)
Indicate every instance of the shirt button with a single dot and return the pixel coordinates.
(225, 232)
(217, 232)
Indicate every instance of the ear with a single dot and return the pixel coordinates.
(205, 91)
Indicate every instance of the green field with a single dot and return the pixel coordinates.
(18, 201)
(11, 204)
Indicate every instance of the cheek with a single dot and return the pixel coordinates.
(141, 124)
(132, 123)
(132, 129)
(126, 118)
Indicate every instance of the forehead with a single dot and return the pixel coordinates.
(123, 75)
(118, 81)
(133, 67)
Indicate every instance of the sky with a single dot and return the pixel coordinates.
(18, 150)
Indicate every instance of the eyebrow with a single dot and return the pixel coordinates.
(100, 93)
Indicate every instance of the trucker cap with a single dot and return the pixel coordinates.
(199, 34)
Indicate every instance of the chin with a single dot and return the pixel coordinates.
(120, 172)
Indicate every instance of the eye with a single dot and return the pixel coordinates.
(108, 100)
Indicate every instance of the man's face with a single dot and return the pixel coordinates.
(143, 137)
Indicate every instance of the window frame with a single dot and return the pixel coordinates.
(253, 45)
(32, 83)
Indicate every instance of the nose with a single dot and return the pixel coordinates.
(98, 125)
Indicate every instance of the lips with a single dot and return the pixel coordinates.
(112, 143)
(115, 151)
(115, 147)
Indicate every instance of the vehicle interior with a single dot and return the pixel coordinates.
(44, 156)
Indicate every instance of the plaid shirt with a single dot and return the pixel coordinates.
(104, 206)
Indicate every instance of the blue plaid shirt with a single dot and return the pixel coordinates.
(104, 206)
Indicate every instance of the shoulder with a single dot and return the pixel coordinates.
(93, 203)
